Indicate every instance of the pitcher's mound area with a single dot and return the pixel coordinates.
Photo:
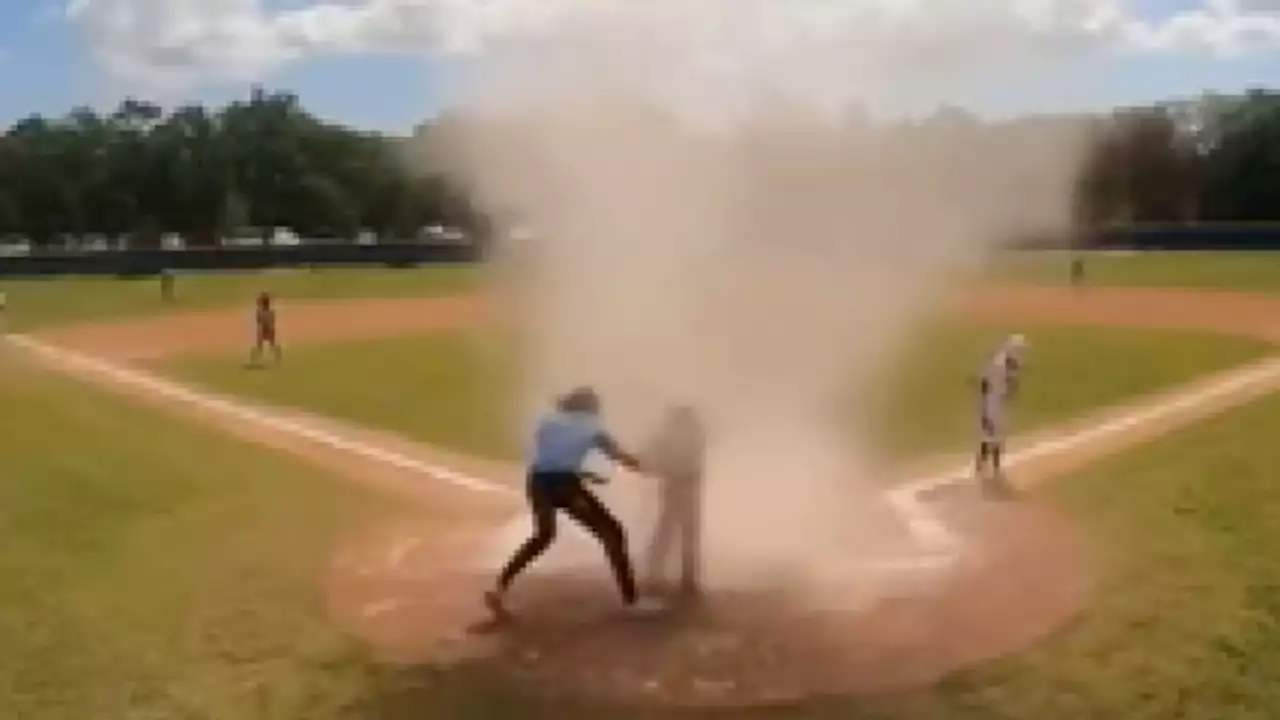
(411, 596)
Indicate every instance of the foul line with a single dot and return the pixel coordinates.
(175, 391)
(928, 530)
(1227, 384)
(937, 541)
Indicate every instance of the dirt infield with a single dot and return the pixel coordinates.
(411, 598)
(408, 589)
(213, 332)
(1221, 312)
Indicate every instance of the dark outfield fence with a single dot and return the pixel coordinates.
(152, 262)
(1199, 237)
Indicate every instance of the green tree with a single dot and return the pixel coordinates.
(1244, 162)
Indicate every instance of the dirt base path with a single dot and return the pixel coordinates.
(299, 323)
(1219, 311)
(409, 588)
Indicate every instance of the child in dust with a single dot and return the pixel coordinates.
(997, 385)
(676, 456)
(265, 319)
(556, 482)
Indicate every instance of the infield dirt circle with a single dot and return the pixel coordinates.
(1023, 577)
(409, 590)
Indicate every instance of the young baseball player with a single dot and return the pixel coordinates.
(676, 456)
(166, 285)
(561, 443)
(265, 319)
(997, 386)
(1077, 273)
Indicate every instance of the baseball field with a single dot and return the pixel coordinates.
(185, 537)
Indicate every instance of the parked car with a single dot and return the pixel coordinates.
(442, 235)
(14, 245)
(284, 237)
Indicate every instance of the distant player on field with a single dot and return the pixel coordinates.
(997, 386)
(265, 320)
(1077, 272)
(166, 285)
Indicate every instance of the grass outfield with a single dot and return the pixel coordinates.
(454, 390)
(1242, 271)
(43, 302)
(156, 570)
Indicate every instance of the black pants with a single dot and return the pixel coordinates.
(549, 492)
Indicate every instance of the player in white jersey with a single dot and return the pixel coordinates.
(996, 387)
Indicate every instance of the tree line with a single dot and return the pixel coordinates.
(203, 173)
(266, 162)
(1214, 159)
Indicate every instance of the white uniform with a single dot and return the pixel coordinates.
(997, 379)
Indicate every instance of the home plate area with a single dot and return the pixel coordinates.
(412, 594)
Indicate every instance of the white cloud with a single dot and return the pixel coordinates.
(159, 44)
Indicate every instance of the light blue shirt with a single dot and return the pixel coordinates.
(562, 442)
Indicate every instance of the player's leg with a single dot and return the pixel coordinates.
(588, 511)
(267, 341)
(664, 533)
(1003, 488)
(986, 429)
(996, 484)
(980, 458)
(542, 506)
(691, 539)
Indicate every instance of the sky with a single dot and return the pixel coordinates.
(388, 64)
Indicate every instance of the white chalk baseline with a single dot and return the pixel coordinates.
(938, 545)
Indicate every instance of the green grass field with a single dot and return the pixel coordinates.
(454, 389)
(151, 569)
(39, 303)
(156, 570)
(1243, 271)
